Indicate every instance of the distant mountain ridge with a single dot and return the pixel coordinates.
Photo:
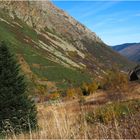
(129, 50)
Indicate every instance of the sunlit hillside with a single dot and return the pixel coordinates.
(59, 77)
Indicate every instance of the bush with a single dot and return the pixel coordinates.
(93, 87)
(88, 89)
(113, 111)
(71, 93)
(54, 96)
(85, 89)
(42, 92)
(17, 110)
(114, 79)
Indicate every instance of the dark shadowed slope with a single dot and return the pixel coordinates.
(129, 50)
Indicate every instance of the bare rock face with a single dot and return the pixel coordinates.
(43, 14)
(65, 40)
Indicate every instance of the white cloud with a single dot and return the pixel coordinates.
(101, 7)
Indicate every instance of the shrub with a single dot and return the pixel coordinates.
(17, 110)
(115, 79)
(93, 87)
(85, 89)
(109, 112)
(88, 89)
(42, 92)
(71, 93)
(54, 96)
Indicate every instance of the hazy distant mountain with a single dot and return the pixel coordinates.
(129, 50)
(52, 46)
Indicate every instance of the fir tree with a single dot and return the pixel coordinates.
(17, 110)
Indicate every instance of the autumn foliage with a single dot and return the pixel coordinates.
(114, 80)
(88, 89)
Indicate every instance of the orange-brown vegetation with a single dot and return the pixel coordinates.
(105, 108)
(73, 93)
(53, 96)
(41, 92)
(99, 117)
(114, 82)
(114, 79)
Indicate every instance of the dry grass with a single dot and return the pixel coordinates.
(68, 120)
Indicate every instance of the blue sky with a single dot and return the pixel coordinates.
(115, 22)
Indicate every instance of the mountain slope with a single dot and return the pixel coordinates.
(129, 50)
(53, 46)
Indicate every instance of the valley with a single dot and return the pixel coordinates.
(60, 80)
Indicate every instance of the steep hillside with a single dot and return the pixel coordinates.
(129, 50)
(52, 46)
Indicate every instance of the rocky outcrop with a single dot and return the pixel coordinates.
(43, 14)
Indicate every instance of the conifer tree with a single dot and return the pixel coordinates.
(17, 110)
